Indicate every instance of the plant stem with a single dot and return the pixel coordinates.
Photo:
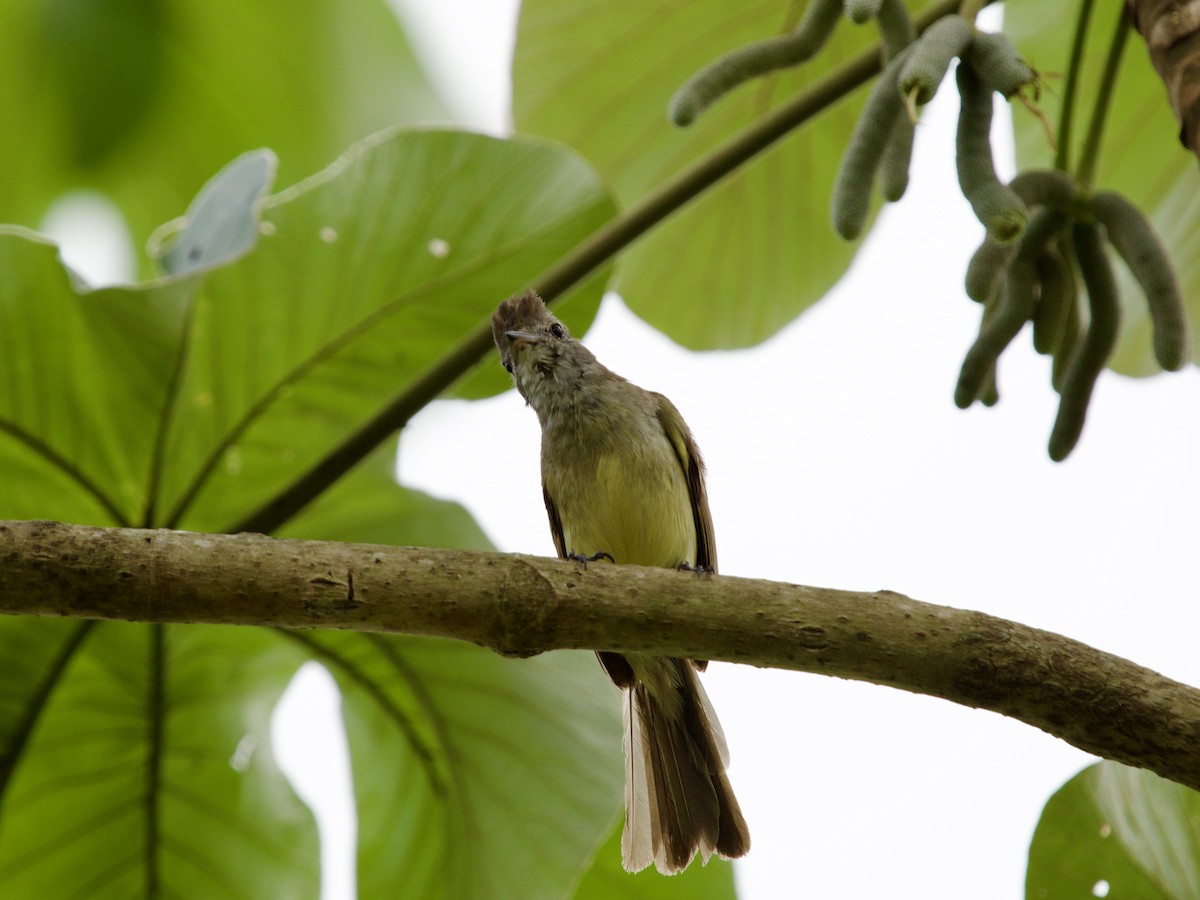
(585, 259)
(1112, 64)
(970, 9)
(1062, 159)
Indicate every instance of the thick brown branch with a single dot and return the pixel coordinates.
(520, 605)
(1172, 32)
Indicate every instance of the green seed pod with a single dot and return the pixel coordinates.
(1046, 187)
(986, 267)
(990, 395)
(862, 11)
(728, 71)
(997, 206)
(931, 56)
(1093, 351)
(989, 392)
(1016, 306)
(895, 27)
(852, 187)
(1054, 304)
(997, 62)
(1133, 236)
(1072, 330)
(897, 156)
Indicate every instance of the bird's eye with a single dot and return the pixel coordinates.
(508, 367)
(558, 331)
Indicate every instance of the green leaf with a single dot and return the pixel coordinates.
(1140, 156)
(144, 99)
(1127, 828)
(366, 275)
(369, 507)
(112, 404)
(143, 766)
(190, 400)
(606, 878)
(751, 254)
(84, 380)
(88, 61)
(475, 776)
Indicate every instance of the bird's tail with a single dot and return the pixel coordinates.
(678, 801)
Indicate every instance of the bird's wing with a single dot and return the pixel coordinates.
(556, 529)
(693, 469)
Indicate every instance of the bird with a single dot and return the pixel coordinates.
(623, 482)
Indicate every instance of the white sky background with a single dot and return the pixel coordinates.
(837, 457)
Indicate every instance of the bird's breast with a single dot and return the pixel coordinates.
(630, 500)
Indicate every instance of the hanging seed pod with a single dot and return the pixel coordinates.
(1056, 301)
(931, 56)
(1098, 341)
(1047, 187)
(852, 188)
(996, 205)
(989, 392)
(1134, 239)
(895, 27)
(728, 71)
(1072, 330)
(897, 157)
(986, 268)
(1016, 306)
(997, 62)
(862, 11)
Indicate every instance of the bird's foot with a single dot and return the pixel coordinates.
(599, 554)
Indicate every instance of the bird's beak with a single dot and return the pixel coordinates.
(521, 337)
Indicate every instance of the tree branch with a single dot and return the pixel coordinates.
(1172, 32)
(522, 605)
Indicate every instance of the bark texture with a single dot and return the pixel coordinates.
(520, 606)
(1171, 29)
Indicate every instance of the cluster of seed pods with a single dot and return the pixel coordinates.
(1045, 232)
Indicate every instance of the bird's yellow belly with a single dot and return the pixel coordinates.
(639, 511)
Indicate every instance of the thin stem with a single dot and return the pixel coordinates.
(1062, 159)
(585, 259)
(1112, 65)
(970, 9)
(170, 409)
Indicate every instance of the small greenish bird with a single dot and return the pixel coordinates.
(623, 481)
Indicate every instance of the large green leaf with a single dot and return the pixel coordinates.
(144, 99)
(195, 398)
(475, 776)
(84, 380)
(190, 400)
(747, 257)
(369, 507)
(1117, 832)
(141, 764)
(1141, 155)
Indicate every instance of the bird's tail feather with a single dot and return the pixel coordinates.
(678, 800)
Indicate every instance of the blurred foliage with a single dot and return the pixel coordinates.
(143, 100)
(1117, 832)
